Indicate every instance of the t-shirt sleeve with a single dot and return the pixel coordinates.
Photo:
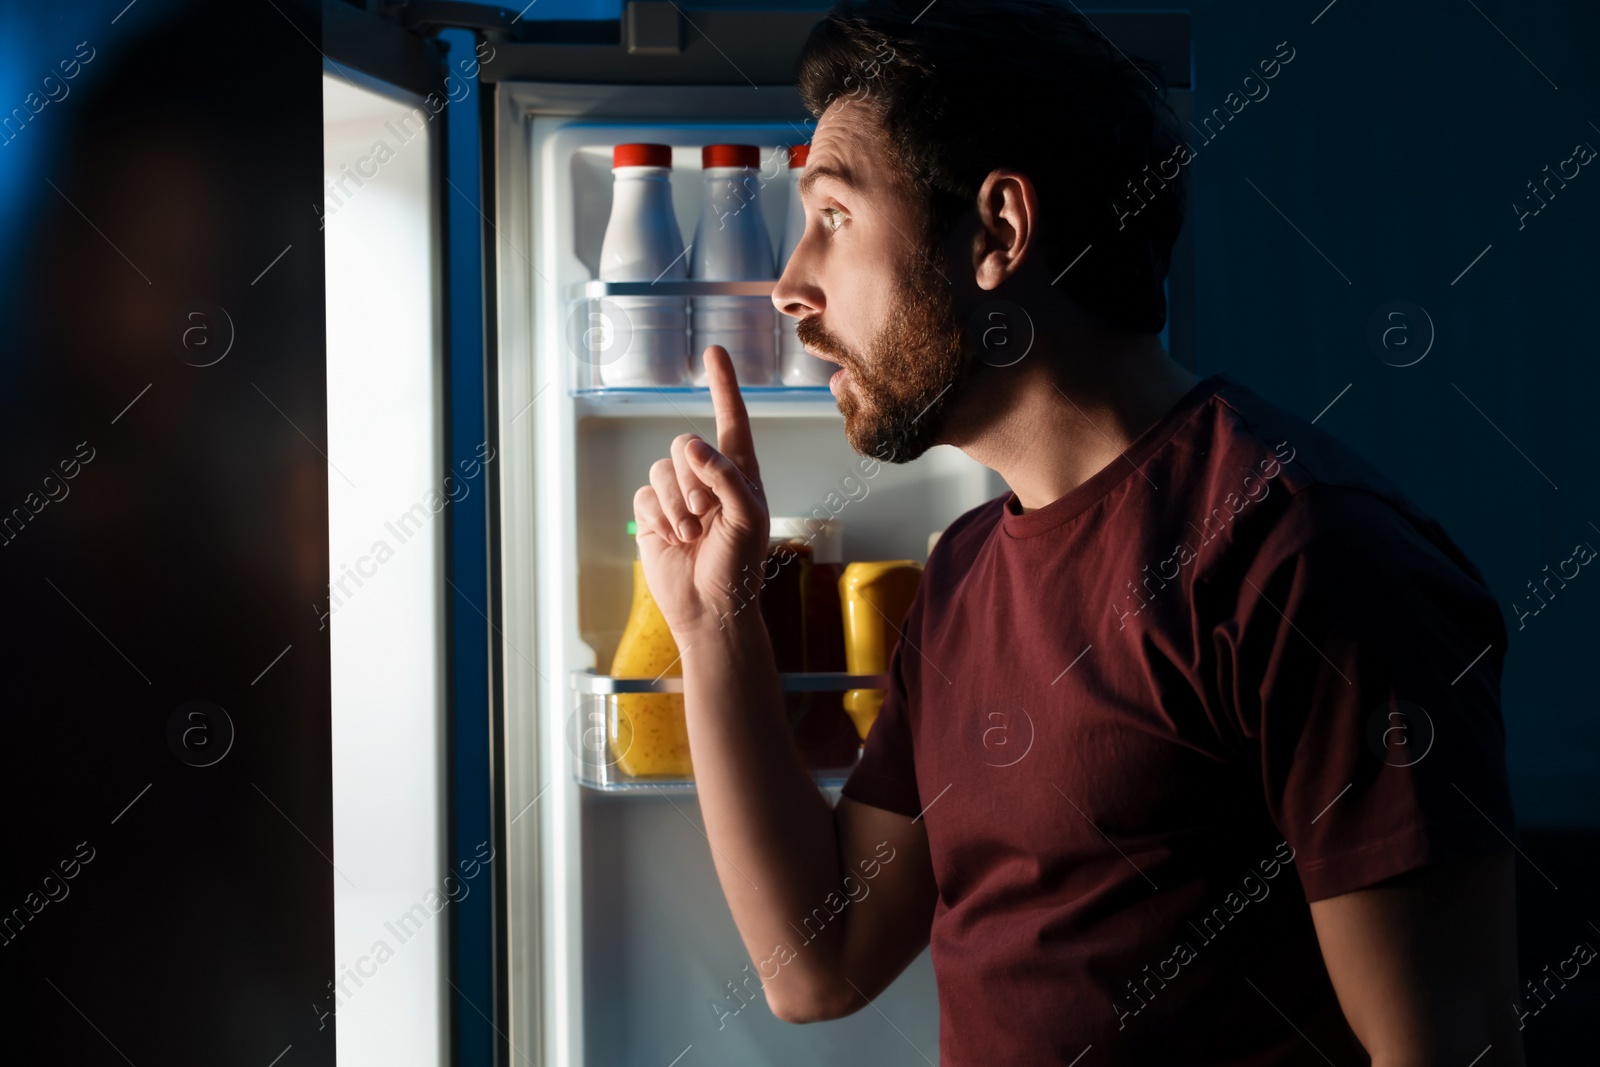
(886, 775)
(1363, 666)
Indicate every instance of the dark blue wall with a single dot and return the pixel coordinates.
(1396, 142)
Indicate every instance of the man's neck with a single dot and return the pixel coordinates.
(1066, 411)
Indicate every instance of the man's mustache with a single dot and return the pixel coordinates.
(811, 335)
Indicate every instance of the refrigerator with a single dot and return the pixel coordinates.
(617, 946)
(185, 438)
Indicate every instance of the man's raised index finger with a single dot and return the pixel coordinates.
(733, 422)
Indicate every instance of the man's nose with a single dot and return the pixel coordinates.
(796, 293)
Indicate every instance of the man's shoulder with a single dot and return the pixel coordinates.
(1247, 422)
(1330, 499)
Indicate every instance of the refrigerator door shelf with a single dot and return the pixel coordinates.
(645, 337)
(593, 722)
(604, 778)
(595, 764)
(588, 681)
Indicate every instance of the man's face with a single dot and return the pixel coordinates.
(870, 296)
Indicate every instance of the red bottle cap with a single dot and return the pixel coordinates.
(798, 153)
(730, 155)
(641, 155)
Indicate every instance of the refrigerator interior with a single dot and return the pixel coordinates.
(622, 947)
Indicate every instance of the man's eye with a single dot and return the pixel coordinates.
(830, 217)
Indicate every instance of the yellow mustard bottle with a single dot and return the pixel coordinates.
(648, 733)
(874, 597)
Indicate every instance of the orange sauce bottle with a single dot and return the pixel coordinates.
(648, 733)
(874, 598)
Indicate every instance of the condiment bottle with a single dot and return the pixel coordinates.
(648, 733)
(826, 737)
(785, 574)
(874, 598)
(822, 731)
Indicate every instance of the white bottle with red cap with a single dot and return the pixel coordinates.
(643, 340)
(795, 364)
(731, 243)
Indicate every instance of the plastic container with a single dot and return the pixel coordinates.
(731, 244)
(642, 244)
(796, 366)
(647, 732)
(874, 598)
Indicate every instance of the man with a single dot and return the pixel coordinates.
(1193, 751)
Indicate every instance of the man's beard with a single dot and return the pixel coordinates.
(898, 395)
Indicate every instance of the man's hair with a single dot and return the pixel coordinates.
(961, 87)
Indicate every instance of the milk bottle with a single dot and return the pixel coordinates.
(642, 244)
(731, 244)
(797, 366)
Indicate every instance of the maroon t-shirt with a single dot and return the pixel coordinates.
(1233, 672)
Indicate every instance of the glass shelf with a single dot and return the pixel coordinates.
(594, 766)
(761, 401)
(589, 681)
(593, 290)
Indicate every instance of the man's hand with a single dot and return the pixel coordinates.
(702, 520)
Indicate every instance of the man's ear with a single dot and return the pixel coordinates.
(1008, 226)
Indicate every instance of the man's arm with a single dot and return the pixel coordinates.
(1425, 964)
(1361, 656)
(832, 902)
